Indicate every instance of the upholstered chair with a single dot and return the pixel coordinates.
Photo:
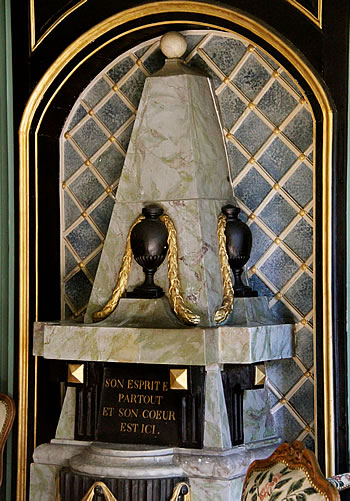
(7, 416)
(291, 473)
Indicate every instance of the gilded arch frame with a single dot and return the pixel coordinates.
(42, 90)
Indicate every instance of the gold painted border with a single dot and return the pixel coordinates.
(36, 97)
(315, 19)
(33, 42)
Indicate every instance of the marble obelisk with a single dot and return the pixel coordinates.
(177, 159)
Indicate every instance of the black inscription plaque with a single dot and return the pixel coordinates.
(138, 406)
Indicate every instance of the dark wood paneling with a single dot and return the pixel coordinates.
(326, 50)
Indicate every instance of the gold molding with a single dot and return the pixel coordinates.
(315, 19)
(33, 42)
(32, 105)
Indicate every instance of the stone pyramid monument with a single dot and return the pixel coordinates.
(176, 159)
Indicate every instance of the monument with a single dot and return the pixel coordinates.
(171, 384)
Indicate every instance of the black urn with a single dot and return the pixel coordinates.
(238, 247)
(149, 244)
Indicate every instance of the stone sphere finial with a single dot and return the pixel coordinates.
(173, 45)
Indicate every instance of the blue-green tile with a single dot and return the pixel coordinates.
(71, 211)
(309, 443)
(110, 164)
(72, 160)
(114, 113)
(102, 214)
(231, 107)
(124, 137)
(243, 216)
(251, 78)
(252, 133)
(301, 293)
(277, 214)
(86, 188)
(283, 373)
(300, 130)
(252, 189)
(97, 92)
(268, 59)
(261, 242)
(93, 264)
(140, 52)
(279, 268)
(304, 347)
(78, 289)
(90, 137)
(68, 314)
(69, 260)
(300, 239)
(277, 159)
(303, 401)
(291, 82)
(287, 426)
(311, 212)
(225, 52)
(78, 115)
(282, 313)
(133, 87)
(192, 41)
(300, 185)
(277, 103)
(83, 239)
(236, 159)
(257, 285)
(119, 70)
(155, 61)
(198, 63)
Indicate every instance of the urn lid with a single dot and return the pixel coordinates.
(230, 211)
(152, 211)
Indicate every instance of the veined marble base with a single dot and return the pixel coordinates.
(126, 461)
(245, 344)
(220, 475)
(43, 482)
(212, 474)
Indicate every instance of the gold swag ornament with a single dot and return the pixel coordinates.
(181, 311)
(177, 491)
(89, 496)
(227, 302)
(109, 496)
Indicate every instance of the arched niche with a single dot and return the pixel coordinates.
(43, 121)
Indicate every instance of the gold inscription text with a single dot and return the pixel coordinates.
(114, 383)
(142, 384)
(139, 399)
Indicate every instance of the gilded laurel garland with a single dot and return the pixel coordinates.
(177, 492)
(122, 279)
(227, 303)
(109, 496)
(180, 310)
(89, 496)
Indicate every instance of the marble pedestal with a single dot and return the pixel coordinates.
(242, 340)
(218, 469)
(212, 474)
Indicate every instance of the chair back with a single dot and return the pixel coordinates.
(7, 416)
(290, 473)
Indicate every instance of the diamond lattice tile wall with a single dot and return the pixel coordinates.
(269, 131)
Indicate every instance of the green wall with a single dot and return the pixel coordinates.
(7, 251)
(348, 247)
